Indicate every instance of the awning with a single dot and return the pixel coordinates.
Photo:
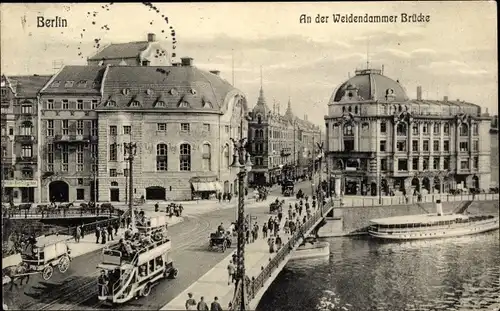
(207, 186)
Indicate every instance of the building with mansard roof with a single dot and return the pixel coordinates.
(140, 53)
(381, 142)
(69, 134)
(280, 145)
(182, 119)
(20, 144)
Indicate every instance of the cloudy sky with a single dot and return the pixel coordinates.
(455, 54)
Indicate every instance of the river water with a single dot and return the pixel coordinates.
(365, 274)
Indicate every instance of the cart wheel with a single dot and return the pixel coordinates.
(174, 273)
(63, 264)
(47, 273)
(146, 290)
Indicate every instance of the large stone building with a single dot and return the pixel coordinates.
(379, 141)
(20, 145)
(140, 53)
(281, 145)
(182, 120)
(69, 133)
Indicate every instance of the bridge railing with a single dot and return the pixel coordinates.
(71, 213)
(369, 201)
(254, 285)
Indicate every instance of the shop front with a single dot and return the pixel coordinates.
(19, 191)
(205, 187)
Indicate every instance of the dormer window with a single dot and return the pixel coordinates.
(111, 103)
(55, 84)
(69, 84)
(183, 104)
(95, 84)
(149, 92)
(173, 92)
(160, 104)
(135, 103)
(207, 104)
(193, 91)
(125, 91)
(82, 83)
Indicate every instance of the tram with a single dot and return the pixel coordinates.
(131, 268)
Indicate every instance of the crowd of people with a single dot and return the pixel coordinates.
(192, 304)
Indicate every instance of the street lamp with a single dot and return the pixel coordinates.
(94, 175)
(320, 186)
(131, 151)
(241, 160)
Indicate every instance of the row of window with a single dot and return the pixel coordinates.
(161, 127)
(80, 84)
(80, 125)
(66, 105)
(401, 146)
(402, 164)
(401, 129)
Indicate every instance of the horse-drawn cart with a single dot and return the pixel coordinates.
(220, 241)
(48, 252)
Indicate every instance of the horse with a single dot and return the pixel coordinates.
(17, 272)
(65, 205)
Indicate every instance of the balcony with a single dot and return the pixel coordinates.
(285, 152)
(71, 139)
(26, 160)
(27, 139)
(349, 154)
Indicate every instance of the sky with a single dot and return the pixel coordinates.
(454, 54)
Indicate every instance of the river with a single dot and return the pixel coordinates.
(365, 274)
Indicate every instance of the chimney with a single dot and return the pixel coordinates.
(419, 92)
(215, 72)
(187, 61)
(151, 37)
(445, 98)
(458, 99)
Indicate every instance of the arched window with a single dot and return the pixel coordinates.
(348, 131)
(343, 109)
(185, 157)
(226, 157)
(349, 109)
(464, 130)
(207, 158)
(259, 119)
(401, 129)
(356, 109)
(161, 157)
(400, 108)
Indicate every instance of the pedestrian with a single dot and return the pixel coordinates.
(256, 229)
(202, 305)
(181, 208)
(110, 232)
(215, 306)
(103, 236)
(280, 215)
(279, 243)
(231, 269)
(190, 302)
(270, 243)
(97, 234)
(229, 195)
(219, 196)
(247, 235)
(78, 233)
(157, 207)
(286, 226)
(304, 219)
(290, 211)
(117, 226)
(82, 231)
(264, 230)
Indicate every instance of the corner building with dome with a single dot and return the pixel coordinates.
(379, 142)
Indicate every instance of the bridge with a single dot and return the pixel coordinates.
(59, 214)
(256, 287)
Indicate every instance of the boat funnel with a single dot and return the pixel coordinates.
(439, 208)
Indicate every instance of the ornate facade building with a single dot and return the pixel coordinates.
(20, 145)
(379, 141)
(69, 133)
(182, 120)
(281, 145)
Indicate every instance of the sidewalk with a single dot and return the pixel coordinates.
(88, 243)
(215, 281)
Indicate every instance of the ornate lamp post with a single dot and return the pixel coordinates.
(130, 153)
(241, 160)
(320, 185)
